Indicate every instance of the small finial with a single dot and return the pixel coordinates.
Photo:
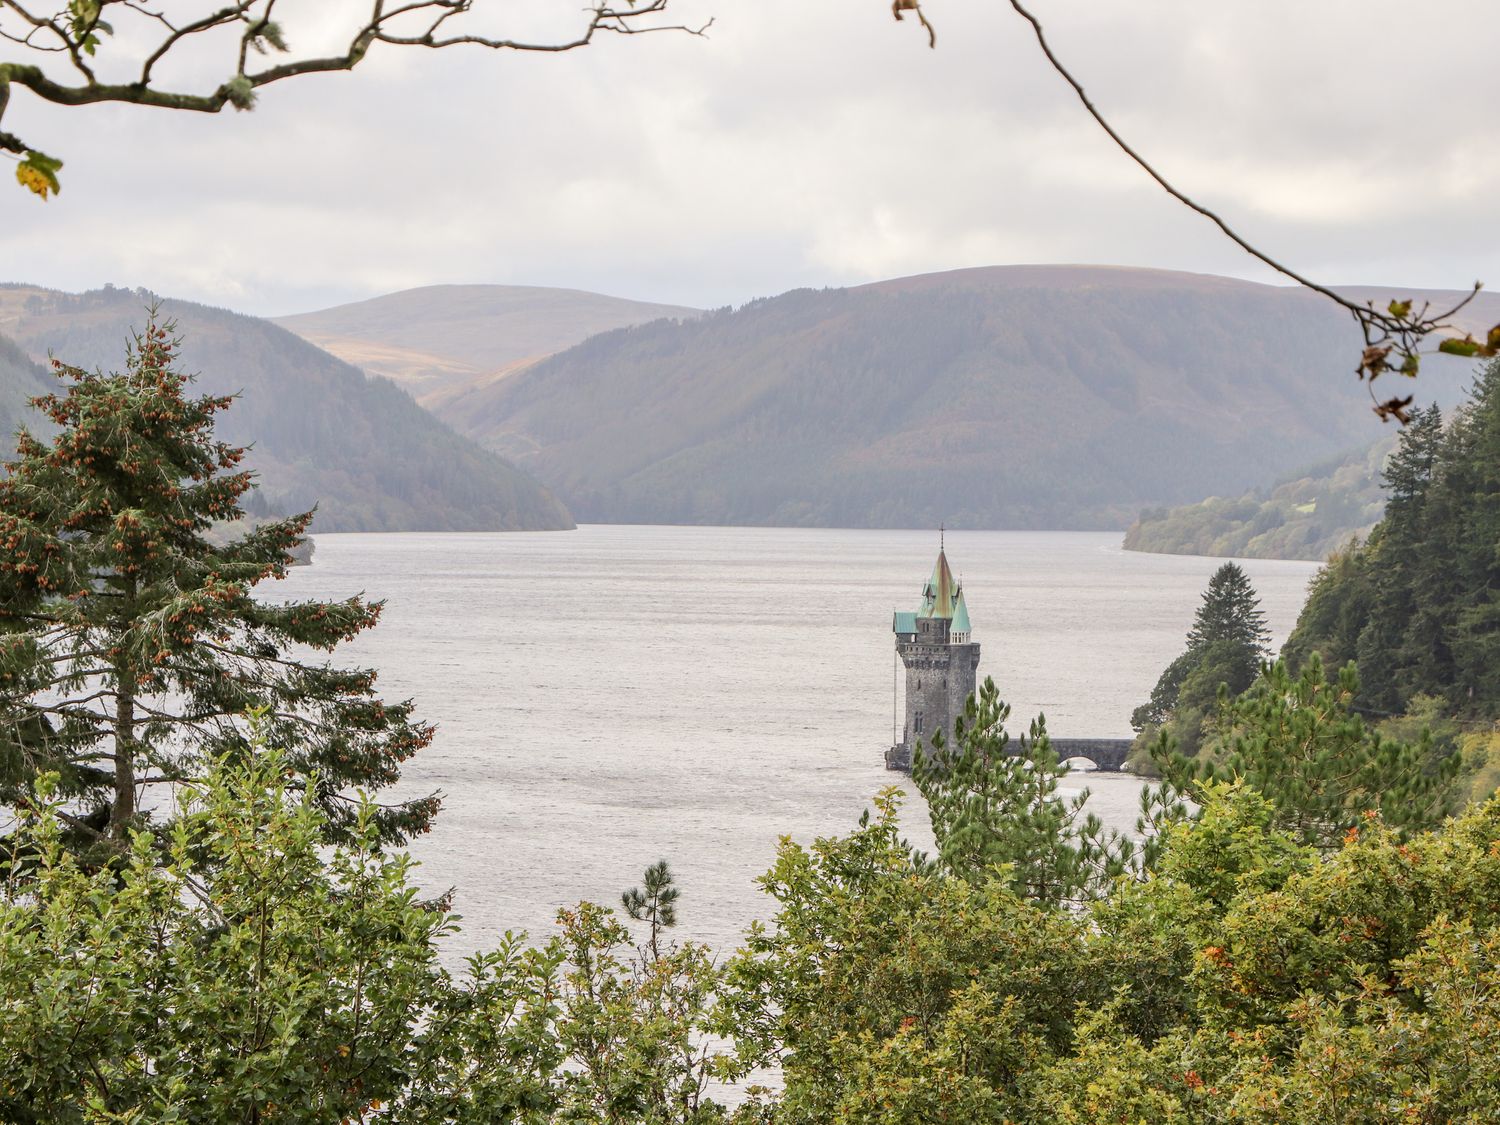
(942, 535)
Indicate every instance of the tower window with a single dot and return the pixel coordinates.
(917, 722)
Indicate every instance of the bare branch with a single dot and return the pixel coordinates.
(383, 24)
(1398, 330)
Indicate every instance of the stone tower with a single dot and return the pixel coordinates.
(941, 664)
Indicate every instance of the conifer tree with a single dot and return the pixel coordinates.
(1422, 596)
(656, 905)
(1475, 568)
(994, 805)
(1297, 741)
(1226, 644)
(132, 648)
(1230, 612)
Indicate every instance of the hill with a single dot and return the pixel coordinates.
(1308, 516)
(443, 336)
(322, 431)
(21, 379)
(1034, 396)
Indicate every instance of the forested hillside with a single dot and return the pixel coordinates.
(322, 431)
(1418, 605)
(1064, 397)
(20, 380)
(1306, 517)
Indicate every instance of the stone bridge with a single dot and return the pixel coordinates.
(1105, 753)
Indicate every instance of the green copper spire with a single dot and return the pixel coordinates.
(941, 589)
(960, 614)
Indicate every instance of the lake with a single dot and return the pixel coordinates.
(617, 694)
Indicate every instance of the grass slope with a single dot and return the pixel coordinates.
(323, 432)
(442, 336)
(1067, 397)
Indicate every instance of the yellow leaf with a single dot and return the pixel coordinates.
(32, 180)
(37, 173)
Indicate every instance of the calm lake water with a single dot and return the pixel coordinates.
(613, 695)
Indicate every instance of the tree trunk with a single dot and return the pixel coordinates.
(123, 811)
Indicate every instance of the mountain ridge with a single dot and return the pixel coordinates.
(1020, 396)
(321, 432)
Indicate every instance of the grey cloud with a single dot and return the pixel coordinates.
(801, 145)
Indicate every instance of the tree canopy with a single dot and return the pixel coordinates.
(1225, 645)
(1418, 604)
(132, 647)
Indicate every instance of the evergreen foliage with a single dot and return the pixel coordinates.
(656, 905)
(1323, 770)
(132, 646)
(1418, 605)
(1226, 645)
(994, 807)
(1230, 613)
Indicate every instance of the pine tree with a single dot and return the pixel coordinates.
(131, 647)
(1299, 743)
(656, 905)
(992, 805)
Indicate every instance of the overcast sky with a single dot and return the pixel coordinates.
(801, 143)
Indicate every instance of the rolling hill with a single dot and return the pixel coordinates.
(440, 337)
(21, 379)
(322, 431)
(1025, 397)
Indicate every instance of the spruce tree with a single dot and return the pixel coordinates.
(1230, 612)
(132, 648)
(1475, 546)
(1226, 644)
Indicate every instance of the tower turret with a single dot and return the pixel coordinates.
(941, 663)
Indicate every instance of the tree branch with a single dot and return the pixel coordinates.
(382, 25)
(1398, 330)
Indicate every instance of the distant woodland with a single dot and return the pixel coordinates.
(1307, 517)
(1008, 397)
